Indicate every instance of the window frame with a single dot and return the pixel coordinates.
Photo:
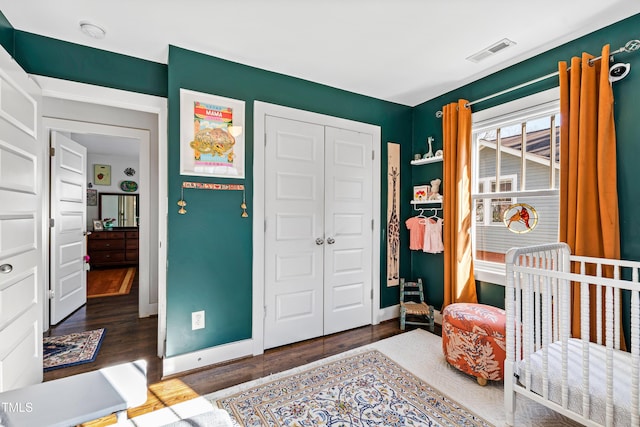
(487, 220)
(520, 110)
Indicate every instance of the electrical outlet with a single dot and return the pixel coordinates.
(197, 320)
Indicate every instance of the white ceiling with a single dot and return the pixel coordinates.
(108, 145)
(405, 51)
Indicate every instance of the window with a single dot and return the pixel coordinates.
(515, 160)
(491, 213)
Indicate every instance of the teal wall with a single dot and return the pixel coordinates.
(63, 60)
(626, 112)
(210, 248)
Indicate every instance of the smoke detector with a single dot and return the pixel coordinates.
(92, 30)
(491, 50)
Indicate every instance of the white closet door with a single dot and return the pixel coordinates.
(294, 236)
(348, 230)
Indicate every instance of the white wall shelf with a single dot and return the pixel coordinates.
(425, 202)
(426, 161)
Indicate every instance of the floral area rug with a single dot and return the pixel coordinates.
(71, 349)
(366, 389)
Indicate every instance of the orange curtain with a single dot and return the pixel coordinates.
(459, 283)
(589, 221)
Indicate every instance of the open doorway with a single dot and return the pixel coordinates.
(120, 149)
(112, 213)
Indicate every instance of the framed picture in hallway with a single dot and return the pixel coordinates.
(211, 135)
(102, 174)
(92, 197)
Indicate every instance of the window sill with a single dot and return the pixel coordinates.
(489, 272)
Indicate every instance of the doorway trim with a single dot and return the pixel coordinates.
(260, 111)
(75, 91)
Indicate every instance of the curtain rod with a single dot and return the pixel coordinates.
(630, 46)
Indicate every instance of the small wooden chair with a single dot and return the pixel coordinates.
(409, 306)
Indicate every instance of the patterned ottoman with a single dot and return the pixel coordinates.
(473, 340)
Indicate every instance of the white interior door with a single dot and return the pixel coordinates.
(21, 231)
(294, 234)
(348, 229)
(68, 278)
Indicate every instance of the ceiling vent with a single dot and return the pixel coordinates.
(491, 50)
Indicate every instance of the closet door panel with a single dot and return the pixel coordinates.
(348, 230)
(294, 208)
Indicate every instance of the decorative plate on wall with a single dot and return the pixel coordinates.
(128, 186)
(520, 218)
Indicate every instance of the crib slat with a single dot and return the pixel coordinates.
(584, 334)
(527, 330)
(635, 353)
(609, 355)
(599, 306)
(565, 265)
(545, 335)
(617, 313)
(556, 296)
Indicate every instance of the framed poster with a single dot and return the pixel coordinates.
(102, 174)
(393, 214)
(211, 135)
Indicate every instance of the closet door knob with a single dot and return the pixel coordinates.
(6, 268)
(331, 240)
(319, 241)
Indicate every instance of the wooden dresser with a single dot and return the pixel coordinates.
(113, 247)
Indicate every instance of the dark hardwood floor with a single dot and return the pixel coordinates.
(130, 338)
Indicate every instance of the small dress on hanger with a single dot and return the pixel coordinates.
(416, 232)
(433, 236)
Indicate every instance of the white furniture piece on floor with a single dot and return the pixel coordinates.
(76, 399)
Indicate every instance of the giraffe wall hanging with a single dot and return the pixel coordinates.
(393, 214)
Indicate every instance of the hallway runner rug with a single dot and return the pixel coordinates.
(72, 349)
(362, 390)
(110, 282)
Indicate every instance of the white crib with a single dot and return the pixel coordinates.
(595, 384)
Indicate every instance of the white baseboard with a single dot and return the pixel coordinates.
(224, 353)
(393, 312)
(209, 356)
(388, 313)
(437, 317)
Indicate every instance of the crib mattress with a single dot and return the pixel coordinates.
(597, 379)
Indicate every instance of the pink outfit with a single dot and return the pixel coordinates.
(433, 236)
(416, 232)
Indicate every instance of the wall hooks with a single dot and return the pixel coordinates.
(243, 205)
(211, 186)
(182, 203)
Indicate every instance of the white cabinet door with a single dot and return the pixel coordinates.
(318, 238)
(348, 229)
(21, 233)
(294, 236)
(68, 278)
